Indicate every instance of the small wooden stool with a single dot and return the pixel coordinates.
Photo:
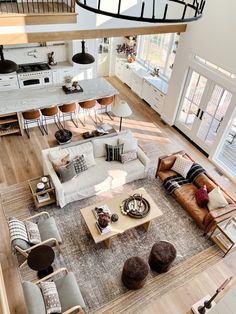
(31, 117)
(51, 112)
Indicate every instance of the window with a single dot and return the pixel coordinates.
(158, 51)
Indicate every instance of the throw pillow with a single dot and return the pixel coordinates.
(182, 166)
(58, 162)
(129, 156)
(80, 164)
(202, 196)
(66, 172)
(114, 152)
(51, 297)
(130, 144)
(216, 199)
(17, 230)
(33, 232)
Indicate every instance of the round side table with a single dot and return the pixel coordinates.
(40, 259)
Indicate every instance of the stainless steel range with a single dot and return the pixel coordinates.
(34, 74)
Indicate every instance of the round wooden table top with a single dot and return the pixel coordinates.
(40, 257)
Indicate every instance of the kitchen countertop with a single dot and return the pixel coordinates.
(41, 97)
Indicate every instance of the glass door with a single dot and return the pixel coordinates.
(202, 110)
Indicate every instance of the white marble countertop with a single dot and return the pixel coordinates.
(41, 97)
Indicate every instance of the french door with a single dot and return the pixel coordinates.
(202, 109)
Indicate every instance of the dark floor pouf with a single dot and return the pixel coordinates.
(135, 272)
(161, 257)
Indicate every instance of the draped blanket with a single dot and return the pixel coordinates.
(174, 182)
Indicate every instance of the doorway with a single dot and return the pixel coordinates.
(202, 109)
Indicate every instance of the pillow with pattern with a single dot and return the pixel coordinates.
(51, 297)
(114, 152)
(129, 156)
(33, 232)
(182, 166)
(202, 196)
(80, 164)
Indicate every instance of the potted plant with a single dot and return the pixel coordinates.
(63, 136)
(68, 82)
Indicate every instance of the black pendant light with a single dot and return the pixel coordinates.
(83, 57)
(150, 11)
(6, 66)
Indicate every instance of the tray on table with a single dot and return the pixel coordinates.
(70, 91)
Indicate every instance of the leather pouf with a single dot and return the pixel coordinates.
(161, 257)
(135, 272)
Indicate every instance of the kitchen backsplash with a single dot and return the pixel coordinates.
(36, 54)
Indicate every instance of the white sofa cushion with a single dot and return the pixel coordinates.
(85, 149)
(130, 144)
(99, 145)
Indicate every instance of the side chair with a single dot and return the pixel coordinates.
(48, 232)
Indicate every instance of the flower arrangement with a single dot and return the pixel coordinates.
(128, 50)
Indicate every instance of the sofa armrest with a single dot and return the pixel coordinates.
(143, 158)
(49, 170)
(217, 215)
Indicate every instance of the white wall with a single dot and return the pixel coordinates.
(212, 38)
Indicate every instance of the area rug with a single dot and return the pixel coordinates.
(98, 269)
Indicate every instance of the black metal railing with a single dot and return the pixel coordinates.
(36, 6)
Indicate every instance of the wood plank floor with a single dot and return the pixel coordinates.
(20, 159)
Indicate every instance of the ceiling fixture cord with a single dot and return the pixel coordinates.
(83, 57)
(6, 66)
(189, 10)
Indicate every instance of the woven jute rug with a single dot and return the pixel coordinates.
(98, 269)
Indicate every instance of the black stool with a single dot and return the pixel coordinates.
(161, 257)
(135, 272)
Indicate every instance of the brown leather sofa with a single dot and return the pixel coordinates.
(185, 195)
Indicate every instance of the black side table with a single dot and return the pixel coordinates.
(40, 259)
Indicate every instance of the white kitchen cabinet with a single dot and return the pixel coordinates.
(136, 84)
(153, 96)
(119, 69)
(58, 75)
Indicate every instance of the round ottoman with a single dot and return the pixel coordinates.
(135, 272)
(161, 257)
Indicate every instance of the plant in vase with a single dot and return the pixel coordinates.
(104, 220)
(68, 82)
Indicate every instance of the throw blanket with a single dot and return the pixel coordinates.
(174, 182)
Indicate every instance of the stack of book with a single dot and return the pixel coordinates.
(98, 211)
(103, 230)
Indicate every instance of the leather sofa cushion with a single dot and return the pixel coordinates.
(165, 174)
(185, 195)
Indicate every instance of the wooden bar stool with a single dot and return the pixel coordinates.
(31, 117)
(69, 109)
(48, 113)
(105, 102)
(89, 105)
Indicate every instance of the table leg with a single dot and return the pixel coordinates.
(108, 243)
(146, 225)
(45, 272)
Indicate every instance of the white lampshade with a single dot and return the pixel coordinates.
(121, 109)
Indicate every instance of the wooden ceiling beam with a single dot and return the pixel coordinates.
(20, 38)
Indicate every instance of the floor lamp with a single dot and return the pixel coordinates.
(121, 110)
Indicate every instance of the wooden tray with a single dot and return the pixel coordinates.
(69, 91)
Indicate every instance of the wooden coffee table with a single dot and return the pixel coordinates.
(125, 222)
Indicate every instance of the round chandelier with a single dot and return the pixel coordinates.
(152, 11)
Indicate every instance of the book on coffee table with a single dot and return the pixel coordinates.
(100, 210)
(103, 230)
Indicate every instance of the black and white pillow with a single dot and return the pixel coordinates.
(80, 164)
(114, 152)
(51, 297)
(17, 230)
(33, 232)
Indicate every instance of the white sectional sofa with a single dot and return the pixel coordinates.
(101, 175)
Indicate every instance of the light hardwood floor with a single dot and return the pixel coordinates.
(20, 159)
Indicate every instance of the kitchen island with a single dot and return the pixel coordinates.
(41, 97)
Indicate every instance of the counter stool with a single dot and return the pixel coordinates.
(105, 102)
(51, 112)
(135, 272)
(69, 109)
(161, 257)
(89, 105)
(31, 117)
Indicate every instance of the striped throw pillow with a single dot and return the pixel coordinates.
(17, 230)
(114, 152)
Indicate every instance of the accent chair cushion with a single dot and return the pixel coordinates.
(33, 232)
(202, 196)
(51, 297)
(114, 152)
(216, 199)
(182, 166)
(48, 229)
(33, 298)
(69, 292)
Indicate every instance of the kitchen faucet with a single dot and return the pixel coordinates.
(32, 53)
